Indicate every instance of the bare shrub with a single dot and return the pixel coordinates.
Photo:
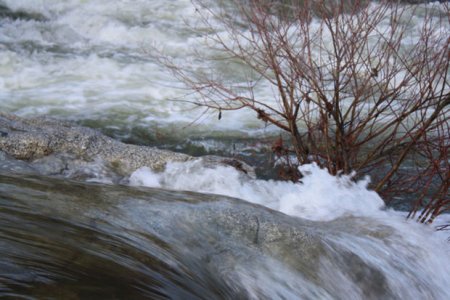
(358, 86)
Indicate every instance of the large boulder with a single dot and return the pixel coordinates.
(36, 138)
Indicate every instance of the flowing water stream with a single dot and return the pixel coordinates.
(91, 237)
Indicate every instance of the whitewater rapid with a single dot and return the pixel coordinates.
(94, 60)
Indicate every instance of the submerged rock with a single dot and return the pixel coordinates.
(122, 242)
(177, 245)
(36, 138)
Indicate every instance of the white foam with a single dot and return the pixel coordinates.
(319, 196)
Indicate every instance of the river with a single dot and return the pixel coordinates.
(154, 235)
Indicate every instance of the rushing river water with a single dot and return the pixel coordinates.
(60, 238)
(66, 240)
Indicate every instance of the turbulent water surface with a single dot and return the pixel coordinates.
(92, 62)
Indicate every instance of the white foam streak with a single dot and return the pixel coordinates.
(319, 196)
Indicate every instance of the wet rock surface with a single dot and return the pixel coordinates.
(177, 245)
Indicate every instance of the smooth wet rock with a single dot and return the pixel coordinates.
(172, 241)
(35, 138)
